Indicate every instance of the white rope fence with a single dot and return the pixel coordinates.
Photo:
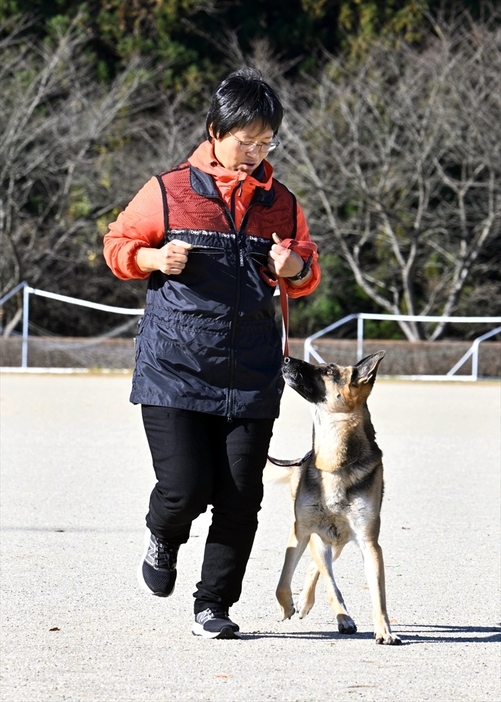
(28, 290)
(309, 350)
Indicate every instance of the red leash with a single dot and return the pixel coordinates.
(284, 303)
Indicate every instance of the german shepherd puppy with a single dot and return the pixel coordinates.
(337, 489)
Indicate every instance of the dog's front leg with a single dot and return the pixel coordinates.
(323, 557)
(295, 549)
(307, 598)
(374, 571)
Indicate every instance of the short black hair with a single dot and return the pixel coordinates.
(241, 99)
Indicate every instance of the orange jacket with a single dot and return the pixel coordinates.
(141, 224)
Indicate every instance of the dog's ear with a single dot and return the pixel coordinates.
(365, 370)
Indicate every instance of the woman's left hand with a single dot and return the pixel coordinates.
(283, 262)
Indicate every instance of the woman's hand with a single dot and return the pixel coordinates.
(283, 262)
(170, 259)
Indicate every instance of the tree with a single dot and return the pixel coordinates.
(72, 153)
(395, 157)
(398, 158)
(191, 35)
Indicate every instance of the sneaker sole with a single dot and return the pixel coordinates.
(140, 578)
(226, 632)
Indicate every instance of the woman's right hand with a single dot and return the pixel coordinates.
(170, 259)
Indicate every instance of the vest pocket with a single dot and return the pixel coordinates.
(208, 250)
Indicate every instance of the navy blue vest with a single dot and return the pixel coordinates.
(208, 341)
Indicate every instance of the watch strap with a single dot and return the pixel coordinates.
(304, 270)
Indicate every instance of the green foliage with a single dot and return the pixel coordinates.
(382, 329)
(191, 36)
(381, 20)
(8, 8)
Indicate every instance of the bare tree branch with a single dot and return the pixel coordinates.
(399, 162)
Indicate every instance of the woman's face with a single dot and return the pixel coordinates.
(239, 150)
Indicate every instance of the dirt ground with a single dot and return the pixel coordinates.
(76, 475)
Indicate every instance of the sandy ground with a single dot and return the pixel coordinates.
(76, 476)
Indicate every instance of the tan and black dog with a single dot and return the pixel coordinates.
(337, 489)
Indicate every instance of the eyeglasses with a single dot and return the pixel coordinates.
(251, 145)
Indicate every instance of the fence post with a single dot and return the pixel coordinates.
(26, 314)
(360, 337)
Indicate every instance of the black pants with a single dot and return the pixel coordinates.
(200, 460)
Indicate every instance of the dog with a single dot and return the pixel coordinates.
(337, 489)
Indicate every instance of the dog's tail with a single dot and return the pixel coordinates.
(279, 470)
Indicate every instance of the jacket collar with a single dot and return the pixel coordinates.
(203, 184)
(205, 172)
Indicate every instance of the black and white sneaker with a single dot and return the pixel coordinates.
(157, 570)
(214, 623)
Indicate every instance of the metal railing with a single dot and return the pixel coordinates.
(310, 351)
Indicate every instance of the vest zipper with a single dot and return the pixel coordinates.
(232, 204)
(241, 261)
(234, 320)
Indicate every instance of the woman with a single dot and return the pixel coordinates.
(212, 236)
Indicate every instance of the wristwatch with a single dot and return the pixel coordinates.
(304, 270)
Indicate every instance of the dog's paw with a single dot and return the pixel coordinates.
(284, 597)
(345, 624)
(387, 639)
(304, 606)
(303, 611)
(287, 612)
